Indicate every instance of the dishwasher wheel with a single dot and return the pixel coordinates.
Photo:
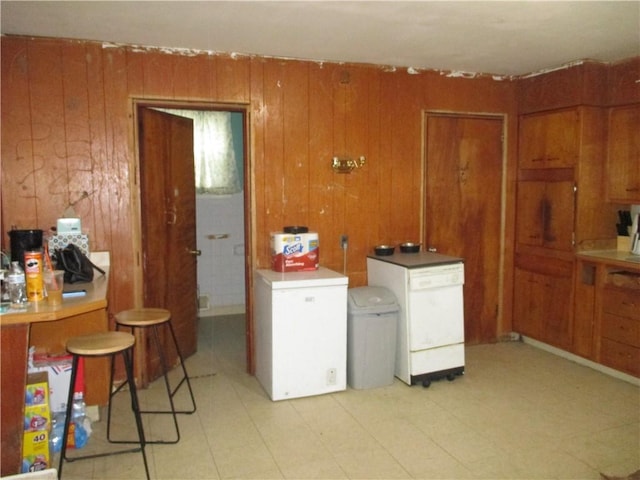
(426, 378)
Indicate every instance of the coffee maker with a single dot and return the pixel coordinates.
(24, 241)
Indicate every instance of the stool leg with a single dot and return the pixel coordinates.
(185, 377)
(67, 418)
(165, 374)
(112, 393)
(128, 363)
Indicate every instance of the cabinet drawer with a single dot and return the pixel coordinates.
(622, 329)
(625, 303)
(620, 356)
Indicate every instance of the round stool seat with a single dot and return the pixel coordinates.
(103, 343)
(143, 317)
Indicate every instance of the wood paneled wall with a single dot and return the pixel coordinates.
(68, 138)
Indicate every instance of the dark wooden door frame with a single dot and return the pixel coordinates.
(249, 220)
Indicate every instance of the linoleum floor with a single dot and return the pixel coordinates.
(518, 413)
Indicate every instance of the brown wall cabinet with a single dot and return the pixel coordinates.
(549, 140)
(623, 159)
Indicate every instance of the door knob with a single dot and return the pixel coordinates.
(195, 253)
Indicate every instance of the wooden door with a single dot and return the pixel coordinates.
(167, 187)
(463, 179)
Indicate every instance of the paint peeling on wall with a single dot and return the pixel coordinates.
(187, 52)
(235, 56)
(458, 74)
(553, 69)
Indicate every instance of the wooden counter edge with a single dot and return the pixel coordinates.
(95, 299)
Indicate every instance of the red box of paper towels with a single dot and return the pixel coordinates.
(294, 252)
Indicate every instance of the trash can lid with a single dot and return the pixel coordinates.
(372, 300)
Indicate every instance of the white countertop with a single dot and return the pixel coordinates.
(618, 257)
(418, 259)
(309, 278)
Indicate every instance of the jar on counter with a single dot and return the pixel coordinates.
(16, 286)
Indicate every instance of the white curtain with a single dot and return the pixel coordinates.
(214, 157)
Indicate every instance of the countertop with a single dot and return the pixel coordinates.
(95, 299)
(618, 258)
(417, 260)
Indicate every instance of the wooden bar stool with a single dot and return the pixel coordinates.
(156, 318)
(95, 345)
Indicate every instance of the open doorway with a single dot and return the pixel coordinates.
(219, 153)
(220, 222)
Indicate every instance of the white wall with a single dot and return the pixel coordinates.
(221, 265)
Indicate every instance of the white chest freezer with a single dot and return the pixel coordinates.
(300, 321)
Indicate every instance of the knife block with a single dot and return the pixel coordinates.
(623, 244)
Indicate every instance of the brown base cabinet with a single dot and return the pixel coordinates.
(584, 310)
(542, 299)
(620, 322)
(607, 309)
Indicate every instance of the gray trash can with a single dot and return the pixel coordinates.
(372, 322)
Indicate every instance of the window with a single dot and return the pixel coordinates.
(216, 168)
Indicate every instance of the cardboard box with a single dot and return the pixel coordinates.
(58, 369)
(295, 252)
(35, 452)
(62, 240)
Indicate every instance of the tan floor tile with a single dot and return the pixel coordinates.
(245, 462)
(370, 464)
(321, 469)
(467, 447)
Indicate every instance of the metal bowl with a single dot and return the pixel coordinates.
(384, 250)
(409, 247)
(294, 229)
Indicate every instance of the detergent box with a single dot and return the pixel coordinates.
(37, 414)
(36, 454)
(294, 252)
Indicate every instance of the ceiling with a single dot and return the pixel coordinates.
(492, 37)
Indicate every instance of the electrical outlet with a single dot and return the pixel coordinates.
(344, 241)
(332, 376)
